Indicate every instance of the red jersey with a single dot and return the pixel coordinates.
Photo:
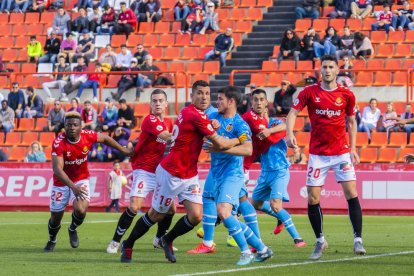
(191, 126)
(150, 149)
(75, 155)
(257, 123)
(327, 110)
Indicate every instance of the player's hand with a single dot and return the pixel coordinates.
(264, 134)
(291, 141)
(127, 151)
(354, 157)
(209, 147)
(79, 192)
(215, 124)
(409, 158)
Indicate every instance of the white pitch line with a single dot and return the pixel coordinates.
(67, 222)
(297, 264)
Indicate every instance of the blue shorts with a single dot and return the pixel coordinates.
(228, 189)
(272, 185)
(243, 191)
(209, 187)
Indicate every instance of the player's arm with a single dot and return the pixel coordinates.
(290, 123)
(352, 132)
(166, 136)
(244, 149)
(405, 121)
(221, 143)
(269, 131)
(57, 163)
(105, 139)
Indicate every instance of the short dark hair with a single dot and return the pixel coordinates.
(77, 101)
(123, 46)
(122, 101)
(117, 162)
(98, 64)
(329, 58)
(32, 37)
(5, 101)
(232, 92)
(201, 83)
(14, 83)
(87, 102)
(158, 92)
(259, 91)
(373, 99)
(30, 88)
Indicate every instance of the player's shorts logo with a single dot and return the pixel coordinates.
(339, 102)
(194, 189)
(345, 166)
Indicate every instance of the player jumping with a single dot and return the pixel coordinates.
(70, 175)
(328, 103)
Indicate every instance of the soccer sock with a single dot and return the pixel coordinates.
(182, 227)
(164, 225)
(355, 214)
(282, 216)
(77, 221)
(252, 239)
(141, 227)
(250, 216)
(53, 230)
(209, 220)
(235, 230)
(316, 219)
(123, 224)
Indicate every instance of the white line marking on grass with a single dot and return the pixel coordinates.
(298, 264)
(67, 222)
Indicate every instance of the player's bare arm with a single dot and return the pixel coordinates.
(215, 124)
(105, 139)
(166, 136)
(244, 149)
(222, 143)
(352, 132)
(269, 131)
(58, 163)
(290, 123)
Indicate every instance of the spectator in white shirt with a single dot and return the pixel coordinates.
(370, 117)
(123, 59)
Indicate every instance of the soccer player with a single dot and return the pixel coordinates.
(328, 103)
(177, 174)
(70, 175)
(271, 188)
(148, 153)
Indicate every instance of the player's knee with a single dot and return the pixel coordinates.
(134, 207)
(223, 211)
(172, 210)
(195, 218)
(276, 205)
(350, 194)
(155, 216)
(257, 204)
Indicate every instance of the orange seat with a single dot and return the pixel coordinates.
(268, 65)
(162, 65)
(305, 65)
(12, 139)
(400, 78)
(4, 18)
(404, 152)
(393, 64)
(408, 63)
(141, 109)
(409, 36)
(399, 107)
(168, 4)
(194, 67)
(40, 124)
(377, 64)
(223, 13)
(21, 42)
(368, 155)
(403, 50)
(387, 155)
(6, 41)
(146, 27)
(368, 21)
(4, 82)
(378, 37)
(302, 25)
(328, 10)
(177, 66)
(362, 139)
(189, 53)
(243, 27)
(354, 24)
(378, 139)
(156, 53)
(175, 27)
(32, 81)
(16, 18)
(200, 40)
(133, 40)
(237, 14)
(254, 14)
(264, 3)
(19, 30)
(275, 79)
(28, 68)
(117, 40)
(10, 55)
(396, 37)
(203, 158)
(151, 39)
(259, 79)
(167, 40)
(46, 138)
(32, 18)
(398, 139)
(26, 124)
(276, 50)
(294, 78)
(359, 64)
(48, 153)
(162, 27)
(303, 139)
(35, 29)
(113, 81)
(364, 78)
(47, 17)
(287, 65)
(28, 138)
(202, 51)
(382, 78)
(17, 153)
(183, 40)
(320, 25)
(172, 53)
(385, 50)
(299, 124)
(211, 67)
(337, 24)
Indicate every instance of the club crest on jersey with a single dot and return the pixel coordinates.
(296, 102)
(159, 127)
(229, 127)
(339, 102)
(210, 127)
(85, 150)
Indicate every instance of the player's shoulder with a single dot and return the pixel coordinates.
(150, 118)
(194, 112)
(214, 115)
(250, 116)
(311, 88)
(59, 140)
(85, 132)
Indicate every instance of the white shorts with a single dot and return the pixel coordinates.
(61, 196)
(319, 165)
(246, 176)
(143, 182)
(169, 186)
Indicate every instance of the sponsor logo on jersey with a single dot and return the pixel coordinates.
(339, 102)
(77, 161)
(68, 153)
(229, 127)
(317, 100)
(328, 112)
(159, 127)
(296, 102)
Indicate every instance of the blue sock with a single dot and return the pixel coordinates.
(284, 216)
(251, 238)
(250, 216)
(209, 218)
(235, 230)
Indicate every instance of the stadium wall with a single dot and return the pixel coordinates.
(383, 189)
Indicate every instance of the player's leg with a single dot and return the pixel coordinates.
(53, 229)
(78, 216)
(163, 226)
(249, 213)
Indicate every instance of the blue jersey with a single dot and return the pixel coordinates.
(275, 157)
(210, 110)
(223, 164)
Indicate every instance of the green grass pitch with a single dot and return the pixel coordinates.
(24, 234)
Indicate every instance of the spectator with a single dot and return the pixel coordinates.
(115, 187)
(55, 119)
(245, 101)
(127, 21)
(223, 44)
(346, 43)
(153, 11)
(36, 153)
(89, 116)
(361, 8)
(109, 116)
(92, 82)
(283, 98)
(193, 22)
(34, 107)
(358, 116)
(68, 47)
(86, 47)
(210, 20)
(127, 81)
(330, 42)
(108, 59)
(384, 19)
(98, 153)
(370, 117)
(309, 51)
(75, 80)
(15, 99)
(59, 80)
(140, 55)
(74, 106)
(345, 77)
(6, 6)
(52, 49)
(309, 9)
(34, 50)
(297, 157)
(40, 5)
(94, 18)
(290, 46)
(123, 59)
(342, 9)
(389, 120)
(154, 80)
(3, 155)
(82, 4)
(121, 135)
(80, 23)
(405, 116)
(125, 115)
(21, 6)
(362, 46)
(107, 21)
(6, 117)
(140, 10)
(402, 17)
(181, 10)
(61, 20)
